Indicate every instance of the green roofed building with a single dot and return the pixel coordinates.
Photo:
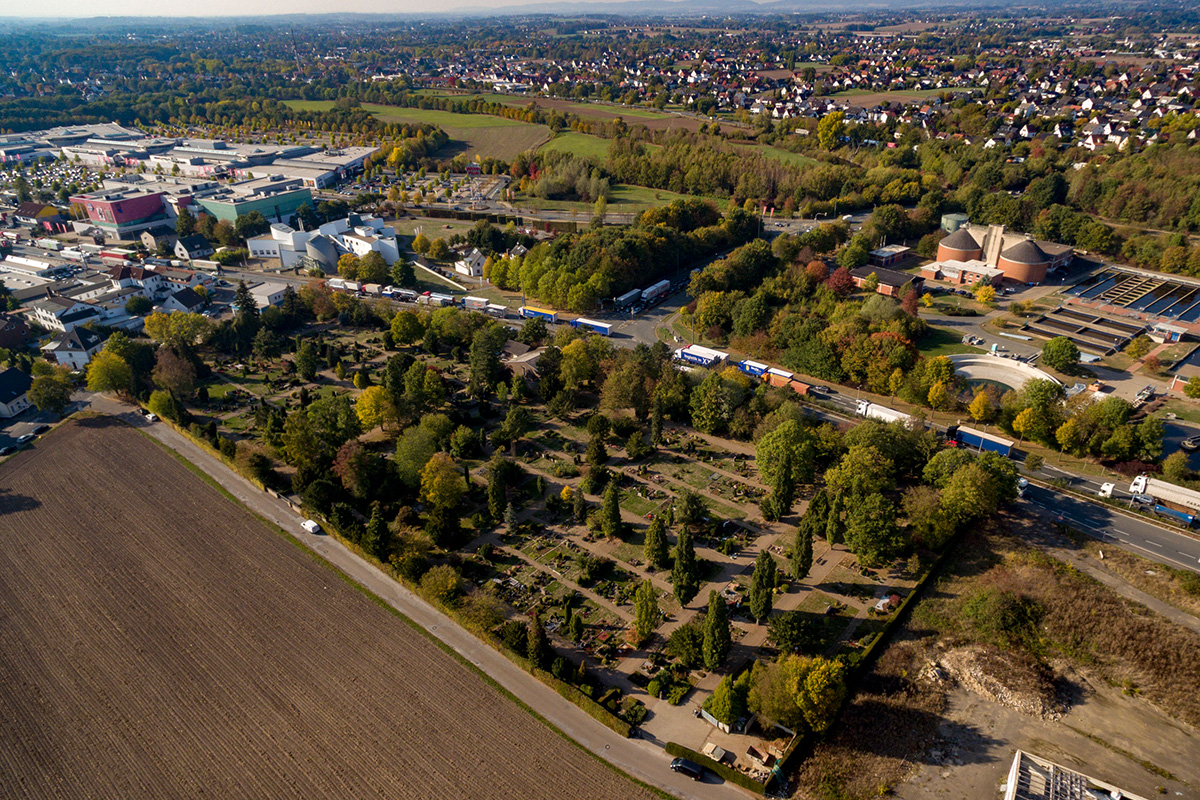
(275, 197)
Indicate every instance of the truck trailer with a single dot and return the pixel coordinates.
(656, 291)
(475, 303)
(962, 436)
(704, 356)
(602, 328)
(627, 299)
(529, 312)
(1167, 494)
(753, 368)
(882, 413)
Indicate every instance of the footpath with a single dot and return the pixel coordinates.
(637, 757)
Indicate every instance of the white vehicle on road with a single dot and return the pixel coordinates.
(310, 526)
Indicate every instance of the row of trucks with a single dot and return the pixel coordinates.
(595, 326)
(1162, 497)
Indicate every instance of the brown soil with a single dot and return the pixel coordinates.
(156, 640)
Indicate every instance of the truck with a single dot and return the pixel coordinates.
(656, 291)
(475, 303)
(496, 310)
(627, 299)
(962, 436)
(1182, 517)
(1167, 494)
(529, 312)
(753, 368)
(882, 413)
(602, 328)
(49, 244)
(704, 356)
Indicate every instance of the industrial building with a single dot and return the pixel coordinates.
(1019, 257)
(358, 234)
(1034, 778)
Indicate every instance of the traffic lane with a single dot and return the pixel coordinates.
(1106, 524)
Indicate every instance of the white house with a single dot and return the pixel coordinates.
(74, 349)
(62, 314)
(14, 392)
(471, 264)
(267, 294)
(186, 299)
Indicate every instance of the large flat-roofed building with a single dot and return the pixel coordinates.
(275, 197)
(123, 213)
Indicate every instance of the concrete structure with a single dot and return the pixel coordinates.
(1008, 371)
(1024, 262)
(1091, 332)
(959, 246)
(267, 294)
(14, 392)
(963, 273)
(275, 197)
(354, 234)
(890, 282)
(74, 349)
(1033, 778)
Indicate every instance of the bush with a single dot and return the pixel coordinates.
(441, 584)
(633, 710)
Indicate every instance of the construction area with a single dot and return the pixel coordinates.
(1089, 331)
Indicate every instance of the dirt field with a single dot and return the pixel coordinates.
(158, 641)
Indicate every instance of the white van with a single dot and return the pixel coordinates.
(310, 526)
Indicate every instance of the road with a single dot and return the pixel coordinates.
(1108, 524)
(643, 759)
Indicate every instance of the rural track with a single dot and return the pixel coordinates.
(642, 759)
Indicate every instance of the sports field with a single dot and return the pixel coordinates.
(158, 641)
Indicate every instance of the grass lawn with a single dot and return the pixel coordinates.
(779, 154)
(583, 145)
(480, 134)
(944, 342)
(1188, 412)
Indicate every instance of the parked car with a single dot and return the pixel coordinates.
(28, 437)
(150, 417)
(689, 768)
(40, 429)
(1143, 499)
(310, 526)
(6, 450)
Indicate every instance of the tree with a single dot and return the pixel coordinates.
(717, 638)
(372, 268)
(685, 572)
(406, 328)
(306, 360)
(485, 360)
(244, 302)
(840, 282)
(655, 548)
(537, 648)
(727, 703)
(438, 250)
(138, 305)
(711, 405)
(403, 273)
(656, 417)
(1026, 422)
(1192, 387)
(687, 644)
(375, 407)
(108, 372)
(442, 484)
(802, 552)
(180, 331)
(938, 396)
(377, 541)
(819, 686)
(610, 513)
(51, 392)
(830, 130)
(762, 587)
(985, 294)
(981, 407)
(1060, 353)
(871, 531)
(1175, 467)
(420, 244)
(441, 584)
(173, 373)
(347, 266)
(185, 223)
(645, 604)
(499, 471)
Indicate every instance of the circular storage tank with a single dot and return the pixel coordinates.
(1024, 262)
(952, 222)
(959, 246)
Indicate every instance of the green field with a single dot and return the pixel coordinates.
(624, 198)
(475, 134)
(943, 342)
(583, 145)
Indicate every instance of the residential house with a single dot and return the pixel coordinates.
(888, 282)
(62, 314)
(14, 392)
(14, 332)
(471, 264)
(159, 237)
(186, 299)
(38, 214)
(74, 349)
(193, 247)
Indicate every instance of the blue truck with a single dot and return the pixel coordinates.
(962, 436)
(753, 368)
(529, 312)
(602, 328)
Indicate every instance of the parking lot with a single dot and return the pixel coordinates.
(24, 424)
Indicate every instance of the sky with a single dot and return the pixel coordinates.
(227, 8)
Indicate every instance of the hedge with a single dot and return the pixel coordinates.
(728, 773)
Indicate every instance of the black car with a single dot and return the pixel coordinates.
(40, 429)
(689, 768)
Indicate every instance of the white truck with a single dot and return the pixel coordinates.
(883, 413)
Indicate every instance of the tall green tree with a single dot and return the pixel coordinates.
(645, 604)
(656, 549)
(656, 421)
(762, 587)
(610, 513)
(497, 486)
(802, 552)
(717, 639)
(685, 572)
(871, 531)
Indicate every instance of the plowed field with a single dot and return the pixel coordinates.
(157, 641)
